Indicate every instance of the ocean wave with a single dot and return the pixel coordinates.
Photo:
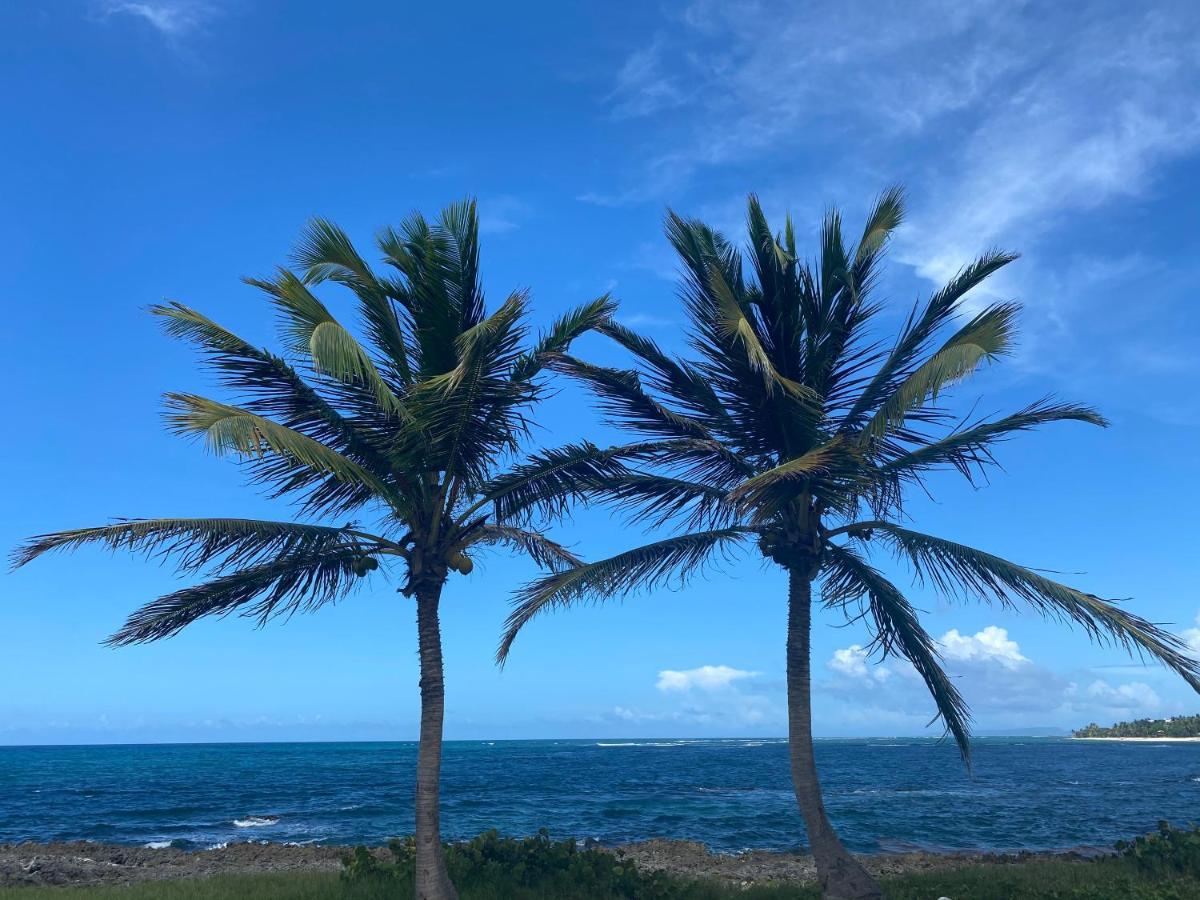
(157, 845)
(256, 821)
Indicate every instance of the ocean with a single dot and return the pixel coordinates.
(882, 794)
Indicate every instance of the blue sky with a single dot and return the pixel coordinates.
(164, 148)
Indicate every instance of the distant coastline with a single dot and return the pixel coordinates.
(1139, 740)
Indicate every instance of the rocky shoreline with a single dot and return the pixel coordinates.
(80, 862)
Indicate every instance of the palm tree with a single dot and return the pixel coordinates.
(408, 427)
(790, 423)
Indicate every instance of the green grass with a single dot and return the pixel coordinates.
(1103, 880)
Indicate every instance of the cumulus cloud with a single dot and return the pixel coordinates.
(171, 18)
(704, 678)
(1134, 697)
(854, 662)
(1003, 685)
(992, 644)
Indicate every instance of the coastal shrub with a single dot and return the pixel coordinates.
(1167, 850)
(511, 867)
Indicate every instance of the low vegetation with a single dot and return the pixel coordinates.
(1177, 727)
(1160, 866)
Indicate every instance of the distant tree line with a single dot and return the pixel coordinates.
(1179, 726)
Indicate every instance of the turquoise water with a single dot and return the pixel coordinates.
(889, 794)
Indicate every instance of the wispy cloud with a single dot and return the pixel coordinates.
(172, 18)
(500, 215)
(1022, 126)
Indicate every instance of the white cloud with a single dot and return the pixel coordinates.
(1134, 697)
(173, 18)
(704, 678)
(854, 662)
(642, 87)
(1004, 687)
(1192, 636)
(1011, 126)
(992, 644)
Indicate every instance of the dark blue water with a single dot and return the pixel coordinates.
(1036, 793)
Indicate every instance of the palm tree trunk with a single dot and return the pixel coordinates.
(840, 874)
(432, 881)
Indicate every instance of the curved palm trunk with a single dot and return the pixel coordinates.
(432, 882)
(840, 874)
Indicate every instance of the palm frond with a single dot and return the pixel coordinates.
(919, 331)
(679, 380)
(969, 449)
(542, 550)
(228, 429)
(197, 544)
(656, 500)
(958, 570)
(313, 333)
(622, 397)
(794, 475)
(987, 336)
(325, 252)
(562, 333)
(549, 480)
(297, 582)
(896, 631)
(642, 568)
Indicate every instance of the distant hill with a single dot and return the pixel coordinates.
(1177, 726)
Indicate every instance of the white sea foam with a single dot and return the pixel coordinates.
(157, 845)
(220, 846)
(255, 821)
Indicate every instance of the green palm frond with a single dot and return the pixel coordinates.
(957, 570)
(779, 485)
(228, 429)
(550, 479)
(738, 328)
(325, 252)
(919, 331)
(969, 449)
(679, 380)
(273, 389)
(656, 500)
(196, 544)
(546, 553)
(298, 582)
(623, 398)
(313, 333)
(987, 336)
(683, 557)
(896, 631)
(557, 339)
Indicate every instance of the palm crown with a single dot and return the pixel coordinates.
(794, 428)
(409, 427)
(413, 428)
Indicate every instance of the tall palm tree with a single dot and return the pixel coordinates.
(409, 428)
(793, 421)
